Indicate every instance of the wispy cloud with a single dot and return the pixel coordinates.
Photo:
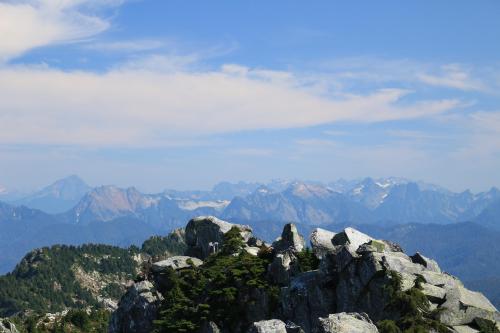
(412, 135)
(453, 76)
(316, 143)
(408, 72)
(336, 133)
(485, 134)
(25, 25)
(137, 105)
(251, 152)
(129, 46)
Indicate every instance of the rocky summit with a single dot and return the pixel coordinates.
(230, 281)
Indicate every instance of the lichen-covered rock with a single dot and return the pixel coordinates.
(137, 309)
(268, 326)
(176, 263)
(347, 323)
(7, 327)
(205, 235)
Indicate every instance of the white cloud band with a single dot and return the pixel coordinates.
(142, 107)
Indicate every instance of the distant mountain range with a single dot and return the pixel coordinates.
(71, 212)
(382, 201)
(58, 197)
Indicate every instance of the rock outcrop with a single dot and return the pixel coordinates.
(321, 241)
(176, 263)
(7, 326)
(137, 309)
(355, 286)
(205, 235)
(290, 240)
(354, 271)
(306, 299)
(286, 248)
(274, 326)
(268, 326)
(347, 323)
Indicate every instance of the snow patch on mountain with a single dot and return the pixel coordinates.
(218, 205)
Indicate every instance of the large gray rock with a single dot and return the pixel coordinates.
(345, 249)
(434, 294)
(347, 323)
(426, 262)
(176, 263)
(205, 235)
(268, 326)
(462, 306)
(7, 327)
(290, 240)
(351, 238)
(285, 249)
(321, 242)
(137, 309)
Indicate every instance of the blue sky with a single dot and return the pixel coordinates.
(182, 94)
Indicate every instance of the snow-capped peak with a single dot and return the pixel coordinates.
(383, 185)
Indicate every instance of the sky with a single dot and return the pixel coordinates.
(183, 94)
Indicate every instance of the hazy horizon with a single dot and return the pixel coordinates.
(159, 188)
